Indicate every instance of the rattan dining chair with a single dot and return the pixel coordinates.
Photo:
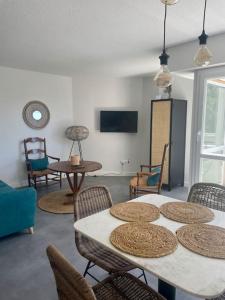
(208, 194)
(87, 202)
(71, 285)
(211, 195)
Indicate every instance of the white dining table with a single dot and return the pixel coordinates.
(196, 274)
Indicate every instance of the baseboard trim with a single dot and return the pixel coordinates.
(110, 173)
(23, 183)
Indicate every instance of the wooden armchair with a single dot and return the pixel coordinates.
(149, 182)
(37, 162)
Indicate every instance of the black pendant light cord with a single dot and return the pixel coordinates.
(164, 56)
(204, 16)
(164, 37)
(203, 37)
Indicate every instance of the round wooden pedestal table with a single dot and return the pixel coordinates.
(74, 183)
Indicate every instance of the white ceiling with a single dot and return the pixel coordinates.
(123, 36)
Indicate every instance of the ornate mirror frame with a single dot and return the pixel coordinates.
(36, 114)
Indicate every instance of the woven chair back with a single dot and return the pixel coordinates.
(70, 284)
(209, 194)
(91, 200)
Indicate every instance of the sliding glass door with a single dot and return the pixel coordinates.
(208, 128)
(212, 156)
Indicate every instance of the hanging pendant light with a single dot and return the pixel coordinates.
(163, 78)
(203, 55)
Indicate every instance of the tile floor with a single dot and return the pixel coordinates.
(25, 272)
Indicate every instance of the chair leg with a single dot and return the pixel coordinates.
(145, 277)
(143, 274)
(130, 192)
(86, 272)
(29, 182)
(46, 179)
(87, 267)
(60, 180)
(35, 182)
(30, 230)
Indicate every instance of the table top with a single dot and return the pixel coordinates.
(198, 275)
(66, 167)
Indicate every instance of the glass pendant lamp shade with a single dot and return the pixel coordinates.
(163, 78)
(203, 56)
(169, 2)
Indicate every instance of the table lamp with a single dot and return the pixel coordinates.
(77, 134)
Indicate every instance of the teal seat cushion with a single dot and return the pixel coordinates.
(39, 164)
(154, 179)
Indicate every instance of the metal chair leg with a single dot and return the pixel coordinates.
(145, 277)
(143, 274)
(87, 267)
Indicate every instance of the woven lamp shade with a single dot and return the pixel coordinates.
(169, 2)
(77, 133)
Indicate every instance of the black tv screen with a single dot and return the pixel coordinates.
(118, 121)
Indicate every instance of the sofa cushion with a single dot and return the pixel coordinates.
(17, 210)
(39, 164)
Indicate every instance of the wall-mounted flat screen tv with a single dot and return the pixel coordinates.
(118, 121)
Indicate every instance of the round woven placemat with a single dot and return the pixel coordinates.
(55, 202)
(185, 212)
(207, 240)
(135, 211)
(144, 239)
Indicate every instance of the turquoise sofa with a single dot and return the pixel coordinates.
(17, 209)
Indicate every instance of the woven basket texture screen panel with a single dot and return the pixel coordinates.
(160, 135)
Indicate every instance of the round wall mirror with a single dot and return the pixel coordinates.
(36, 114)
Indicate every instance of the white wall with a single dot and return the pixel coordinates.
(182, 89)
(92, 94)
(181, 56)
(78, 101)
(17, 87)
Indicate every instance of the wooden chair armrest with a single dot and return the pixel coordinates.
(149, 166)
(145, 166)
(52, 157)
(140, 174)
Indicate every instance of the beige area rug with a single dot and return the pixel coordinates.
(55, 202)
